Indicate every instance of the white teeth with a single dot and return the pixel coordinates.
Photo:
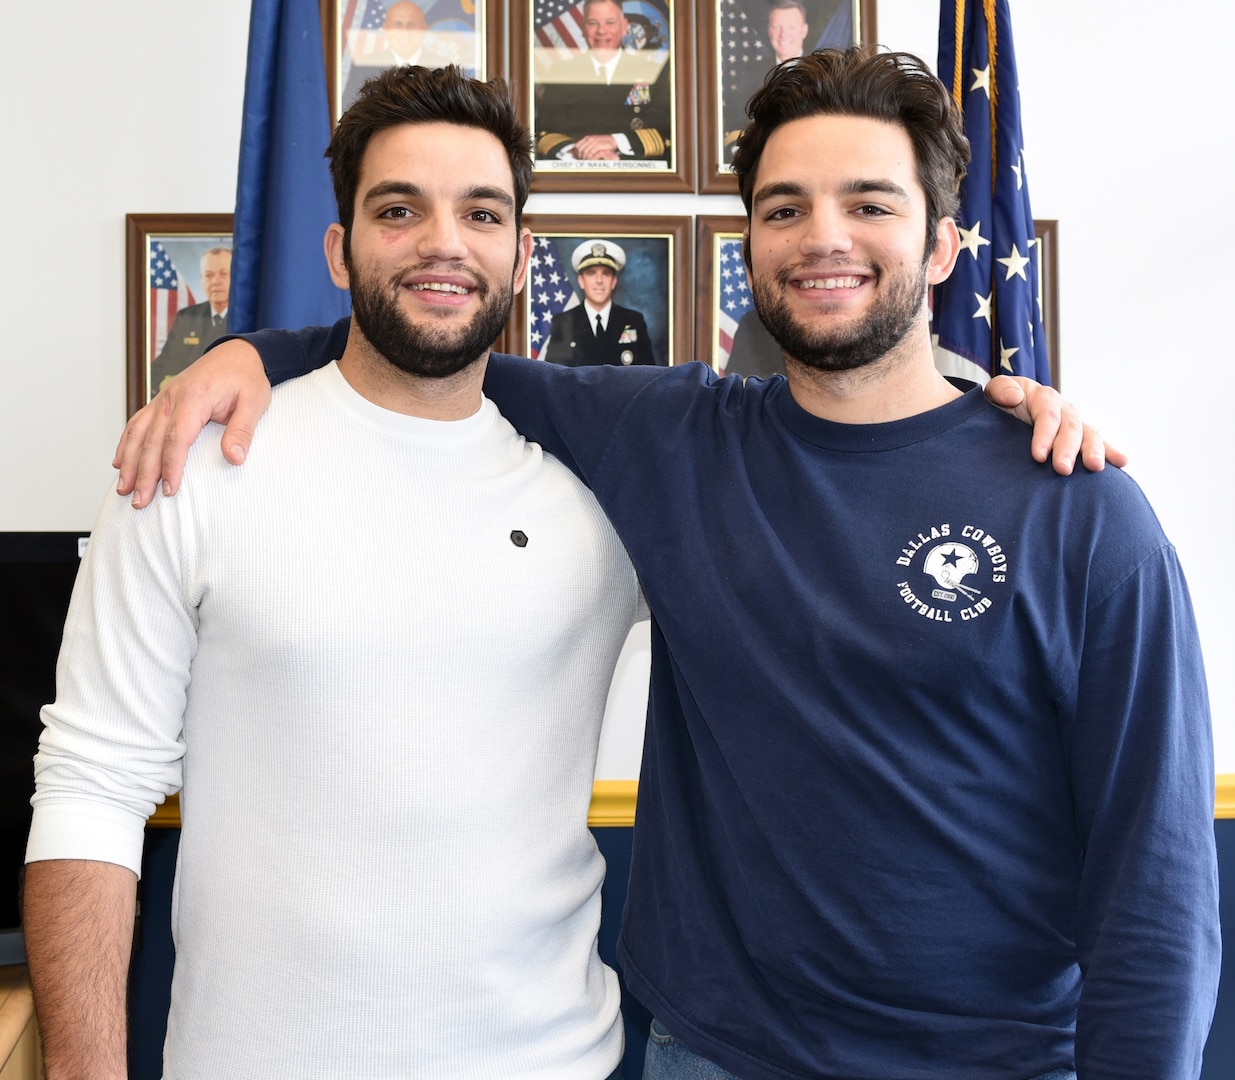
(831, 283)
(440, 286)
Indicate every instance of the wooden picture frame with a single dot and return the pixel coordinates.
(651, 286)
(174, 269)
(733, 45)
(348, 33)
(1046, 258)
(654, 118)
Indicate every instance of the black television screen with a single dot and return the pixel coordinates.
(37, 571)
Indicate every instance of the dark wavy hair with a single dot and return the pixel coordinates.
(862, 81)
(417, 95)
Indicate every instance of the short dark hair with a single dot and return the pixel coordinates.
(418, 95)
(862, 81)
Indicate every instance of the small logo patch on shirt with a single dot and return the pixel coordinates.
(519, 538)
(957, 566)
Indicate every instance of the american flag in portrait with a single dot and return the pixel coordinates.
(361, 26)
(550, 291)
(732, 297)
(557, 26)
(168, 294)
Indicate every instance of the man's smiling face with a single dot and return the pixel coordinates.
(836, 255)
(433, 260)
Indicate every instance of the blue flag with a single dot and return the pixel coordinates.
(284, 200)
(987, 315)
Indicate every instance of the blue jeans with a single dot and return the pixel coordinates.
(668, 1059)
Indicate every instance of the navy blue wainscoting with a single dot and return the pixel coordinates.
(152, 962)
(1220, 1050)
(614, 844)
(150, 976)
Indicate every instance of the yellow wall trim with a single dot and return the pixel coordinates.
(1224, 806)
(167, 815)
(613, 804)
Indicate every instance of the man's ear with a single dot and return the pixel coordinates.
(333, 245)
(523, 258)
(947, 248)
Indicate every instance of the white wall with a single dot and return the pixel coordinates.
(108, 109)
(1128, 143)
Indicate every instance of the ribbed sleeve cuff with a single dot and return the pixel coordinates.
(79, 829)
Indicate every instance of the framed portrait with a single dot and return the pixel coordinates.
(628, 271)
(607, 92)
(178, 270)
(362, 37)
(1046, 255)
(740, 41)
(728, 333)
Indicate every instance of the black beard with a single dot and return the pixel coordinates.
(425, 350)
(884, 327)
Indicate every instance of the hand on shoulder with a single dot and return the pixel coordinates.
(227, 385)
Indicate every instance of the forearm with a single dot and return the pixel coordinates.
(1148, 927)
(287, 354)
(1150, 950)
(78, 920)
(227, 384)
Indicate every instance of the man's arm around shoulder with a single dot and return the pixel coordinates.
(229, 384)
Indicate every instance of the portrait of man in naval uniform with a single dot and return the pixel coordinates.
(598, 331)
(610, 97)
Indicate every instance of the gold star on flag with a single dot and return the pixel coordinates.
(984, 307)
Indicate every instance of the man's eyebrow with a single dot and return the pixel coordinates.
(776, 190)
(490, 194)
(386, 188)
(875, 187)
(780, 188)
(407, 190)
